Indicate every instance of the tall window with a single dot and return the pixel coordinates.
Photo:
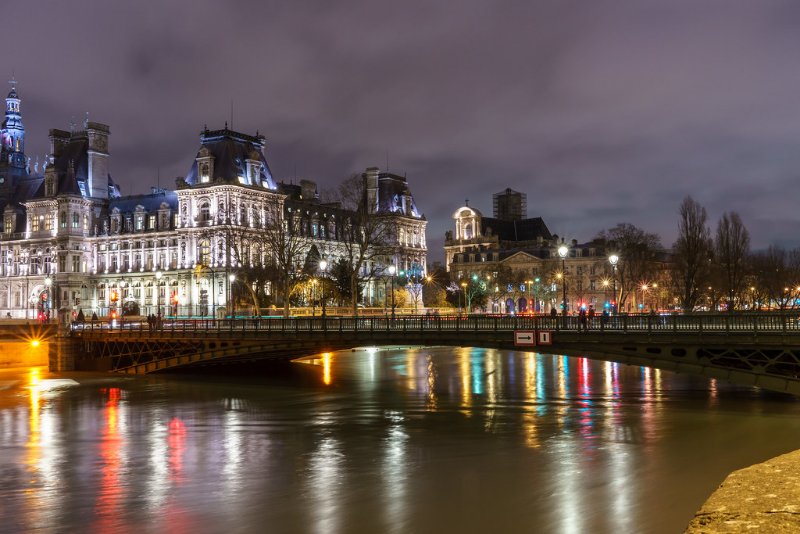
(204, 252)
(76, 220)
(204, 173)
(76, 264)
(205, 212)
(7, 226)
(63, 219)
(35, 224)
(85, 223)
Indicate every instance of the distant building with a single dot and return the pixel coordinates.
(70, 241)
(483, 247)
(510, 205)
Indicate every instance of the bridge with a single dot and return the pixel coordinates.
(760, 349)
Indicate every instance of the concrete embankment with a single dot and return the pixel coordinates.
(762, 498)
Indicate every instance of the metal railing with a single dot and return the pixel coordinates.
(687, 324)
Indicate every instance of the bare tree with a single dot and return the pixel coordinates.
(691, 253)
(732, 248)
(775, 273)
(638, 251)
(367, 237)
(270, 250)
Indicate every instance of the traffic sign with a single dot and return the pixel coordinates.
(544, 337)
(524, 338)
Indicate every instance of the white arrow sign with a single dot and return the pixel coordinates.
(524, 338)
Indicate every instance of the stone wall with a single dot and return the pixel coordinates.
(762, 498)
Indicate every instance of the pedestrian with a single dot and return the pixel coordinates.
(582, 319)
(591, 315)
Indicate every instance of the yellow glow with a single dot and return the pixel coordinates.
(326, 368)
(34, 343)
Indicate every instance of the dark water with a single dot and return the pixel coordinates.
(421, 440)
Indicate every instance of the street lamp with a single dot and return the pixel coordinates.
(464, 295)
(528, 284)
(613, 260)
(323, 266)
(644, 291)
(47, 283)
(159, 274)
(231, 278)
(392, 270)
(562, 252)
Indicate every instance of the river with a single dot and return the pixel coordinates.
(370, 441)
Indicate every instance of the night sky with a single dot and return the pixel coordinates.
(602, 112)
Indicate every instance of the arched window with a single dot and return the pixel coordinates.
(76, 220)
(468, 231)
(204, 173)
(63, 219)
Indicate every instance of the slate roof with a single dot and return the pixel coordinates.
(230, 150)
(150, 202)
(391, 187)
(524, 230)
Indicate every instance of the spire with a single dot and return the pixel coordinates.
(12, 133)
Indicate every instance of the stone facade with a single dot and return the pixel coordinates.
(72, 242)
(484, 247)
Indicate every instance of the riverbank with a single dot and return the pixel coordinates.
(762, 498)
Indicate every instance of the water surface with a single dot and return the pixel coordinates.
(400, 440)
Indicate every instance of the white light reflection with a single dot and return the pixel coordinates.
(617, 447)
(372, 352)
(324, 483)
(234, 453)
(395, 472)
(157, 480)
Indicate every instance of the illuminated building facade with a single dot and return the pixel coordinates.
(485, 246)
(71, 241)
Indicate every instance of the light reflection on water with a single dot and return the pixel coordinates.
(397, 440)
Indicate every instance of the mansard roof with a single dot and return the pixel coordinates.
(150, 202)
(230, 150)
(524, 230)
(390, 188)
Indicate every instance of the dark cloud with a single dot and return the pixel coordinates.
(601, 112)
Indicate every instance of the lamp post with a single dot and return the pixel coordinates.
(392, 270)
(159, 274)
(313, 297)
(231, 278)
(323, 266)
(464, 295)
(562, 252)
(528, 285)
(645, 287)
(613, 260)
(48, 282)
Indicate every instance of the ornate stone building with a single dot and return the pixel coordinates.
(71, 241)
(483, 247)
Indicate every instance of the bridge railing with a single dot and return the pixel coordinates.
(699, 323)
